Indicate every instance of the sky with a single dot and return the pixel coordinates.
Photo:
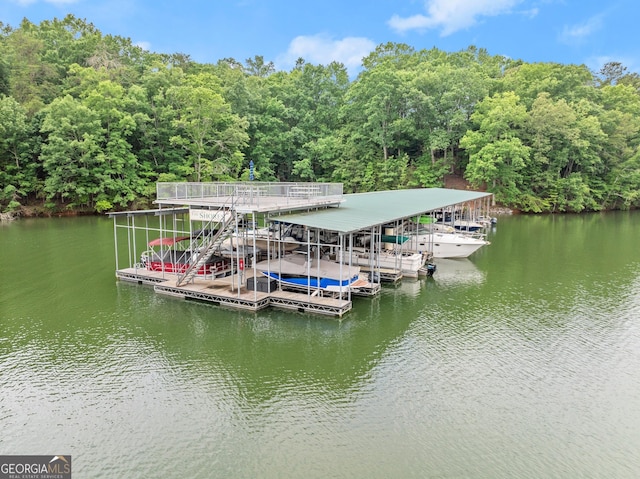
(585, 32)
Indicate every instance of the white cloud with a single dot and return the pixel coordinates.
(451, 15)
(322, 49)
(579, 32)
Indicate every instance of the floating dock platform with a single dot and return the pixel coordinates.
(230, 291)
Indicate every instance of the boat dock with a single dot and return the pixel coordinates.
(209, 237)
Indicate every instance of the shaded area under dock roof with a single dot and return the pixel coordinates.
(365, 210)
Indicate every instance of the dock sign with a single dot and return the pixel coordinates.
(215, 216)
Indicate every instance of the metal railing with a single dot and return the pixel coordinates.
(247, 192)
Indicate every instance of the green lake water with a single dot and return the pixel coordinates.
(522, 361)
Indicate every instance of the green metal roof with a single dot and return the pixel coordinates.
(360, 211)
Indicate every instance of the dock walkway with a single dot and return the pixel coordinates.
(225, 292)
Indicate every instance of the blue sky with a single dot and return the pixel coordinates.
(565, 31)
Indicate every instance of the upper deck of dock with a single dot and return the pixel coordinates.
(248, 197)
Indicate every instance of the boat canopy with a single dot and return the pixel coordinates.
(168, 241)
(394, 239)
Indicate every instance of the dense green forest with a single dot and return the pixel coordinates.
(90, 121)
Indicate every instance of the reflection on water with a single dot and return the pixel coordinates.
(457, 272)
(521, 361)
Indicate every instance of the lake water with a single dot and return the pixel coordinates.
(523, 361)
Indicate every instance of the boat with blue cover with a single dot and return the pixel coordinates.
(296, 271)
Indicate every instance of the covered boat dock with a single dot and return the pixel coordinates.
(208, 215)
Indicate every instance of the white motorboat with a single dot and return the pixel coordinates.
(467, 226)
(444, 245)
(407, 262)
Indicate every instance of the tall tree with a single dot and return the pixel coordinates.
(155, 115)
(620, 120)
(256, 66)
(119, 169)
(14, 132)
(70, 154)
(611, 73)
(207, 129)
(570, 82)
(496, 153)
(32, 81)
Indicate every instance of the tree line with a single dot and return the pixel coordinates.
(90, 121)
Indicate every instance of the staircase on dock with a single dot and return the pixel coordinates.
(212, 243)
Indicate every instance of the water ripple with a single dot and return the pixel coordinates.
(527, 370)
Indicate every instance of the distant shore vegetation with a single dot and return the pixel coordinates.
(89, 122)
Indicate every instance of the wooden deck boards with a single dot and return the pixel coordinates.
(225, 291)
